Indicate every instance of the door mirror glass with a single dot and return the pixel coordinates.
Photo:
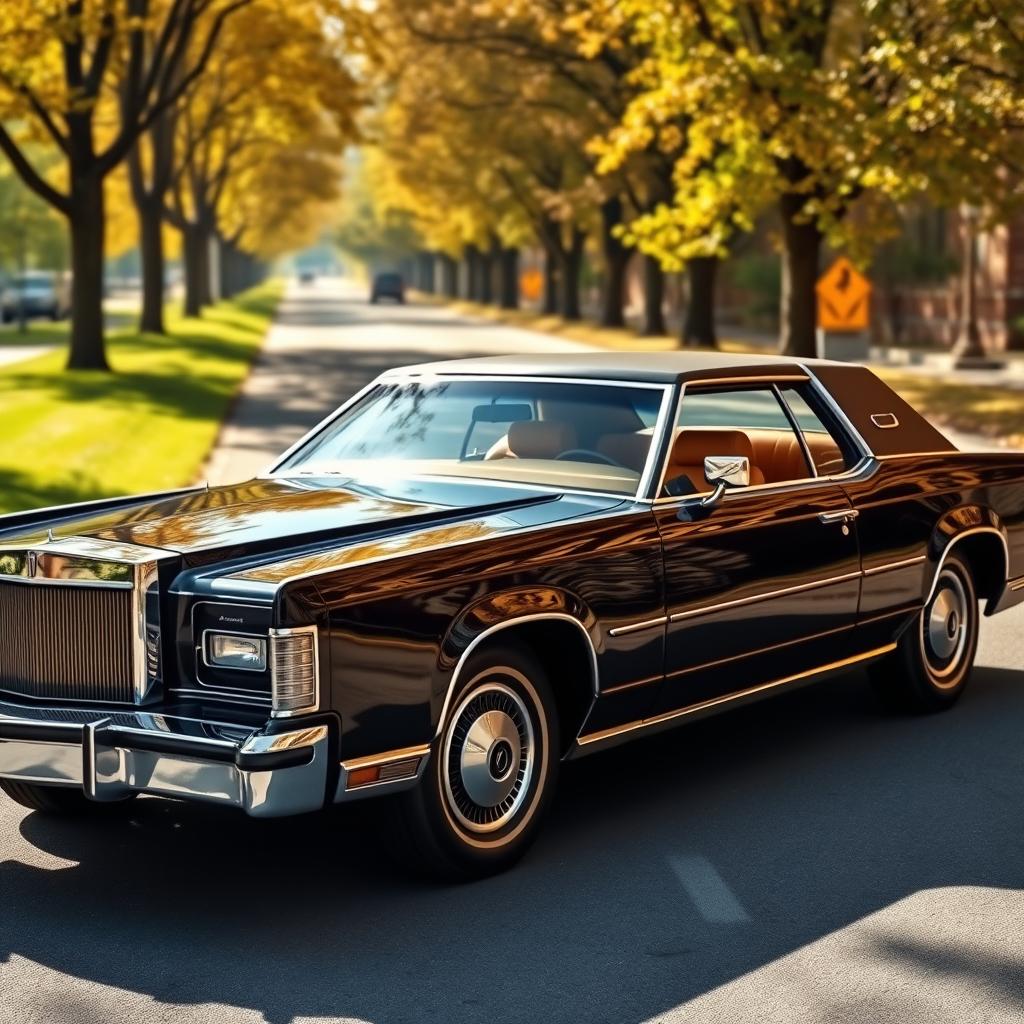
(727, 470)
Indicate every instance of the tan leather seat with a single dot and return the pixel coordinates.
(694, 445)
(779, 456)
(535, 439)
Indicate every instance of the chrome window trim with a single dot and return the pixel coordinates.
(798, 430)
(736, 492)
(403, 376)
(806, 377)
(287, 631)
(507, 624)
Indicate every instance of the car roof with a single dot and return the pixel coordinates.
(639, 367)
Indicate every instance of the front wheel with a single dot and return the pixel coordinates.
(480, 803)
(64, 801)
(932, 665)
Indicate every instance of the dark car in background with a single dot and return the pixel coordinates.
(37, 293)
(387, 286)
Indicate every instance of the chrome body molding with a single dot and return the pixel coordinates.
(413, 759)
(963, 535)
(905, 563)
(636, 627)
(508, 624)
(619, 732)
(692, 613)
(1017, 584)
(116, 756)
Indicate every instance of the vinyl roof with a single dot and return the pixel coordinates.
(645, 367)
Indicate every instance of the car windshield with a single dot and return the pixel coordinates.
(33, 283)
(569, 435)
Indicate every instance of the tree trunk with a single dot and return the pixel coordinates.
(800, 255)
(699, 323)
(449, 277)
(196, 251)
(473, 269)
(571, 263)
(616, 259)
(86, 221)
(654, 299)
(549, 305)
(487, 276)
(509, 286)
(151, 251)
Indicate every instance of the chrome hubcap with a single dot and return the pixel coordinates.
(489, 757)
(945, 626)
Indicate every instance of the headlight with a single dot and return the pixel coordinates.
(228, 650)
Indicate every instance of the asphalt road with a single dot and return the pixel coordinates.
(806, 859)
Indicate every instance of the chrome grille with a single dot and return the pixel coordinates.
(66, 642)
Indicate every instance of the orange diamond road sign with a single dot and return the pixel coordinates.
(844, 298)
(530, 284)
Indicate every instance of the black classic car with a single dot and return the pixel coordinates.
(475, 570)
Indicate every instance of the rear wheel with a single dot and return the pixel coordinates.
(932, 665)
(57, 800)
(480, 804)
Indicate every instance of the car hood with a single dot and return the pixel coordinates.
(278, 514)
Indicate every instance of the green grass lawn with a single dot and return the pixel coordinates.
(149, 425)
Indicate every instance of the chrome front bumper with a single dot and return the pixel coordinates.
(114, 756)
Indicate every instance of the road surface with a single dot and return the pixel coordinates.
(808, 859)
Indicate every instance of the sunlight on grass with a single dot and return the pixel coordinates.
(72, 436)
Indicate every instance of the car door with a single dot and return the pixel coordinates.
(762, 585)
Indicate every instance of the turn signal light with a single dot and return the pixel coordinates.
(294, 672)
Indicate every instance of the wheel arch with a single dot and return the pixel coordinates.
(559, 634)
(977, 535)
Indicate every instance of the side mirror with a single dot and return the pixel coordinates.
(724, 471)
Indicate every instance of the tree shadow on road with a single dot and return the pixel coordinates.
(813, 811)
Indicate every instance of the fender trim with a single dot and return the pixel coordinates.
(508, 624)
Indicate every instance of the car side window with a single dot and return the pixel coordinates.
(824, 450)
(756, 423)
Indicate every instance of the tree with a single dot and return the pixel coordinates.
(828, 110)
(64, 60)
(253, 151)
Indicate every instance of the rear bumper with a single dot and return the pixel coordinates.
(114, 756)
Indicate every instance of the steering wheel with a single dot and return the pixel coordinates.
(592, 456)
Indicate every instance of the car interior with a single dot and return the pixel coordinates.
(776, 453)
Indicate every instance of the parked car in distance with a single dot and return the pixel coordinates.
(307, 276)
(476, 570)
(387, 286)
(38, 293)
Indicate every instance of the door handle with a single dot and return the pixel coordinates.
(842, 515)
